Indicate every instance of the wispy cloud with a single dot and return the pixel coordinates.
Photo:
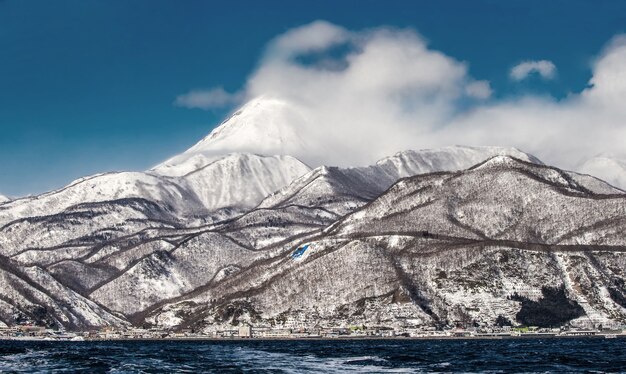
(479, 89)
(546, 70)
(207, 99)
(314, 37)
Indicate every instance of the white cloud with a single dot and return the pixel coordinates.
(564, 132)
(316, 36)
(479, 90)
(207, 99)
(608, 84)
(390, 88)
(390, 92)
(546, 69)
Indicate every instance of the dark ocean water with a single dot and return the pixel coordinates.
(344, 356)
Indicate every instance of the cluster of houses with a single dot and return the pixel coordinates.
(247, 331)
(29, 332)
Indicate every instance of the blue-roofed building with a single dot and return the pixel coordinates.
(300, 251)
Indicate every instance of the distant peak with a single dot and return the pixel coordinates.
(265, 125)
(498, 161)
(479, 153)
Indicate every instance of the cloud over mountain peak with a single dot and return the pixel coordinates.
(365, 94)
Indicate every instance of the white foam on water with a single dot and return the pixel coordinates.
(289, 363)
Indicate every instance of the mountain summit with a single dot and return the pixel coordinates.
(269, 126)
(265, 125)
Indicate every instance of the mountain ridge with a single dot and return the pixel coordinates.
(200, 193)
(391, 250)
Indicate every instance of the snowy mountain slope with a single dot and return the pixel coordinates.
(230, 181)
(165, 275)
(35, 295)
(137, 273)
(500, 199)
(606, 168)
(138, 257)
(408, 281)
(433, 249)
(451, 158)
(443, 248)
(202, 180)
(454, 158)
(239, 180)
(263, 229)
(233, 179)
(82, 226)
(3, 199)
(80, 266)
(271, 126)
(334, 189)
(105, 187)
(343, 189)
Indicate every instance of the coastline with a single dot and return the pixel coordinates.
(346, 338)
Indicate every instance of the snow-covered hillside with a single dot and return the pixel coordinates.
(607, 168)
(341, 190)
(237, 180)
(3, 199)
(472, 246)
(453, 158)
(501, 199)
(104, 187)
(431, 250)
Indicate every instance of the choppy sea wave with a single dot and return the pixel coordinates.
(346, 356)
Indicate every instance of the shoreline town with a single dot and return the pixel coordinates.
(246, 331)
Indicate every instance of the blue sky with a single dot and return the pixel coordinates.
(88, 86)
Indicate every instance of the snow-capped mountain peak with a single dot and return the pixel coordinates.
(268, 123)
(265, 125)
(3, 199)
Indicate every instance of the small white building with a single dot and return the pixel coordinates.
(245, 331)
(277, 333)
